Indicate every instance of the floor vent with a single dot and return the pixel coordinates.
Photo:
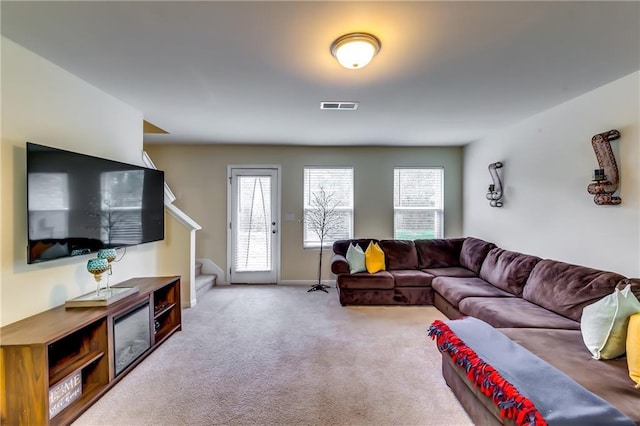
(339, 105)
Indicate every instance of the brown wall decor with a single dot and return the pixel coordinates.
(606, 178)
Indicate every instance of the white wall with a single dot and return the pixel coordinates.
(45, 104)
(548, 163)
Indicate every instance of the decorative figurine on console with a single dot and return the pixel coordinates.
(605, 178)
(110, 255)
(102, 296)
(97, 267)
(495, 189)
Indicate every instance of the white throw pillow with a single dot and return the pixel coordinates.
(604, 323)
(355, 257)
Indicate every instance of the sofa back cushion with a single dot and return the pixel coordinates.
(399, 254)
(341, 246)
(473, 253)
(507, 270)
(439, 253)
(566, 289)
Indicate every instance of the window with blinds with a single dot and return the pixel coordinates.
(334, 186)
(418, 203)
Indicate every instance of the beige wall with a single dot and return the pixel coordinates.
(548, 163)
(45, 104)
(198, 176)
(177, 257)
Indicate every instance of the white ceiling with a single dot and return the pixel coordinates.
(255, 72)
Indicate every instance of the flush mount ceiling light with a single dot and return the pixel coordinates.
(355, 50)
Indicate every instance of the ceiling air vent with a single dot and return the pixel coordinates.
(339, 105)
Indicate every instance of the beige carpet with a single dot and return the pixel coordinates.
(277, 355)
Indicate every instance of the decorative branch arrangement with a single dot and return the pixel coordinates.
(606, 178)
(323, 219)
(495, 190)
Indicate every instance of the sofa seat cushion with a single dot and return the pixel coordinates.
(507, 270)
(473, 253)
(565, 350)
(455, 289)
(453, 271)
(411, 278)
(399, 254)
(439, 253)
(566, 289)
(514, 312)
(364, 280)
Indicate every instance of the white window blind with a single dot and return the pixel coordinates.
(253, 224)
(336, 186)
(418, 203)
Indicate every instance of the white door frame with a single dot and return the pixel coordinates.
(277, 239)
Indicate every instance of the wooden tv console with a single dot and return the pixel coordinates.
(69, 354)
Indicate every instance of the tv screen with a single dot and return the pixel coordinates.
(78, 204)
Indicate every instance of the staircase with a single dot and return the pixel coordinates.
(204, 282)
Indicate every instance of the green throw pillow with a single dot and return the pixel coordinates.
(604, 323)
(355, 257)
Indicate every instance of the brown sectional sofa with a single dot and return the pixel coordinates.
(403, 282)
(535, 302)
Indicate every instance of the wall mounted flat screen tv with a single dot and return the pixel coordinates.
(78, 204)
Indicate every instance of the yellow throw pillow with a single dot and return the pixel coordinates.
(633, 348)
(374, 258)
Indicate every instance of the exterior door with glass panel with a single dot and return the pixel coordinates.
(253, 225)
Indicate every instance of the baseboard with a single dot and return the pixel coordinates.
(307, 283)
(188, 304)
